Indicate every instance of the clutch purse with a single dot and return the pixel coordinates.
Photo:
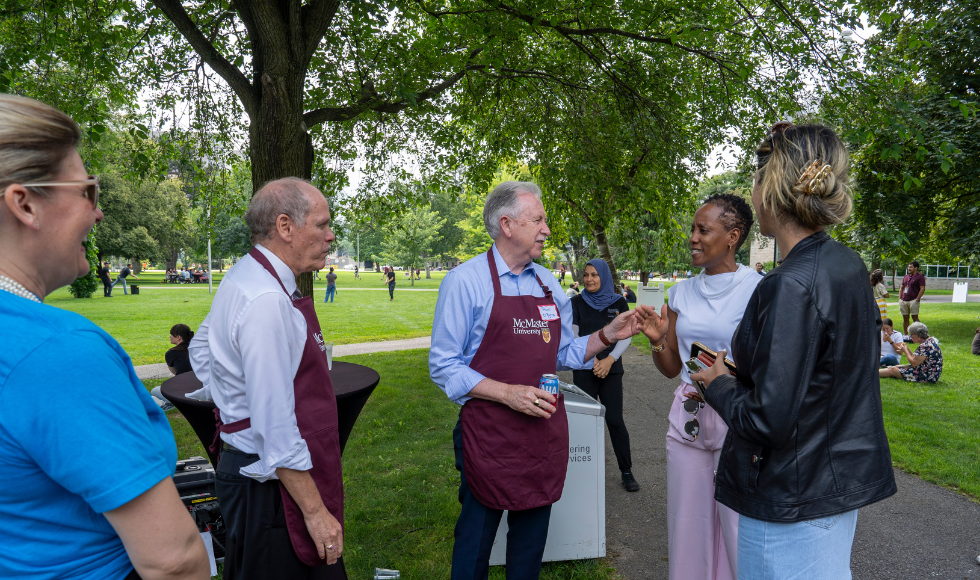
(703, 357)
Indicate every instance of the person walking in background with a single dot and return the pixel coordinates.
(106, 280)
(123, 274)
(331, 285)
(890, 339)
(760, 269)
(880, 292)
(357, 275)
(925, 364)
(702, 534)
(87, 455)
(806, 442)
(913, 287)
(316, 274)
(390, 280)
(561, 276)
(592, 310)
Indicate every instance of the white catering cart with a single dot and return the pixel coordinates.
(578, 521)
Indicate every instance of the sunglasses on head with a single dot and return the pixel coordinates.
(91, 184)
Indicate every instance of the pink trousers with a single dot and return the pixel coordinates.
(702, 534)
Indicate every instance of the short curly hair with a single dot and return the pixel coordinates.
(735, 213)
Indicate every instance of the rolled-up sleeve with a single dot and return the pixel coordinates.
(272, 346)
(451, 329)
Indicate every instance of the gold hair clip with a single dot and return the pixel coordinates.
(814, 175)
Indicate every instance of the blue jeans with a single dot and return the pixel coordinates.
(888, 360)
(331, 290)
(817, 549)
(118, 280)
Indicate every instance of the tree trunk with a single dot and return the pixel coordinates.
(644, 276)
(428, 275)
(172, 259)
(137, 266)
(602, 243)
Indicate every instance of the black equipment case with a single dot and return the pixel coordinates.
(194, 479)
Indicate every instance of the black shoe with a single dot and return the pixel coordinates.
(629, 482)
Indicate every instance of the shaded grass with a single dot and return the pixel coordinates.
(400, 483)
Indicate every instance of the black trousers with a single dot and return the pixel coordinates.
(257, 544)
(609, 392)
(106, 287)
(391, 290)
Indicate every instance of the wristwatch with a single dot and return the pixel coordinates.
(659, 347)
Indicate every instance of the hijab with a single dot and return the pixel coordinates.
(606, 296)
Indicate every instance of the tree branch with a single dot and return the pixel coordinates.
(369, 103)
(236, 80)
(318, 16)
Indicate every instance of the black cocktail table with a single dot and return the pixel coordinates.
(352, 384)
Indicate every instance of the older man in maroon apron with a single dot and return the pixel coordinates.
(279, 480)
(501, 322)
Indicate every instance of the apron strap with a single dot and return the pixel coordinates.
(235, 427)
(261, 259)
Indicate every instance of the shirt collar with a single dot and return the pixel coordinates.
(503, 268)
(285, 274)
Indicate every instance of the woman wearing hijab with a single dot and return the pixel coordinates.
(592, 310)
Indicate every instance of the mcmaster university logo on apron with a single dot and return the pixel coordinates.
(530, 326)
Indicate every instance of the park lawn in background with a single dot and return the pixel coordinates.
(142, 323)
(932, 428)
(400, 482)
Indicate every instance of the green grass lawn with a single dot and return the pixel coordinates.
(400, 484)
(932, 429)
(142, 323)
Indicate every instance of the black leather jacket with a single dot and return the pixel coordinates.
(806, 435)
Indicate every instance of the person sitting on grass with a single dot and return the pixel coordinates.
(975, 349)
(890, 339)
(925, 364)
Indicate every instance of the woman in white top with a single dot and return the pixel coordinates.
(701, 533)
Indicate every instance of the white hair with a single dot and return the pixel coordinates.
(919, 329)
(278, 197)
(504, 201)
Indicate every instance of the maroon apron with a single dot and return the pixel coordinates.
(514, 461)
(316, 417)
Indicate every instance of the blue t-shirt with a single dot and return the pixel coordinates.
(79, 436)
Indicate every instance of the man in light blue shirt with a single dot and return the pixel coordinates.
(476, 354)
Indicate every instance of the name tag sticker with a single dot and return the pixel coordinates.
(549, 312)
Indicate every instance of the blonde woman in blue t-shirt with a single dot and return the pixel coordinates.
(89, 455)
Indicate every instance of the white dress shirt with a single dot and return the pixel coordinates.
(246, 353)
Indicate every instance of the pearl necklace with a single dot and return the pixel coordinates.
(12, 286)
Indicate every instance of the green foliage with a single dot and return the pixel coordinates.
(85, 286)
(143, 220)
(910, 118)
(410, 239)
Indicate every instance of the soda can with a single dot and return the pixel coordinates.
(549, 383)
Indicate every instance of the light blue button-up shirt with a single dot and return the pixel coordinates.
(463, 312)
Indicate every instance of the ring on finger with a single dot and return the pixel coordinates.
(330, 547)
(536, 401)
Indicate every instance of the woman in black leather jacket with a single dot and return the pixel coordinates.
(806, 445)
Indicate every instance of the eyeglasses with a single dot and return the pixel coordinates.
(91, 184)
(692, 427)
